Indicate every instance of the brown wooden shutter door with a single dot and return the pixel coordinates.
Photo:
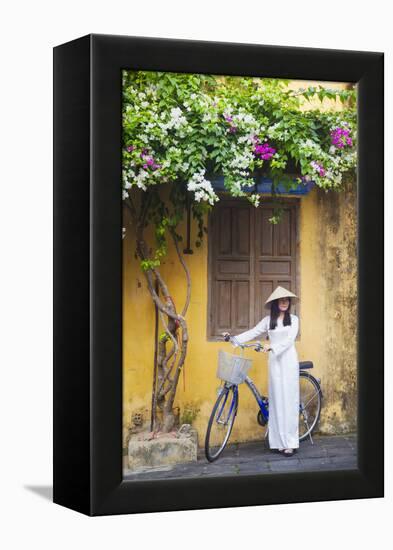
(275, 255)
(232, 267)
(249, 257)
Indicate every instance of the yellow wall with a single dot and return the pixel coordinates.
(327, 315)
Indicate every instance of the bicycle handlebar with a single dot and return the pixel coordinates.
(257, 346)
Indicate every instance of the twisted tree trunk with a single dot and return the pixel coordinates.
(172, 349)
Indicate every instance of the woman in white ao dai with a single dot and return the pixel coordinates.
(283, 373)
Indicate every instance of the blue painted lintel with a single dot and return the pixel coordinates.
(263, 185)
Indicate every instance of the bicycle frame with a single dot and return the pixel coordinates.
(235, 391)
(260, 399)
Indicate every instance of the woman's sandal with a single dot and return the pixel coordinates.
(288, 452)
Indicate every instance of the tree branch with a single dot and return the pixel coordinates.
(131, 207)
(173, 352)
(187, 272)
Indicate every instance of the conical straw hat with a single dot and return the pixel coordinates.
(280, 292)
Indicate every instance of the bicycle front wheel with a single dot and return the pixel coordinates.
(221, 422)
(310, 404)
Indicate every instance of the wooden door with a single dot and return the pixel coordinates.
(231, 276)
(275, 255)
(248, 258)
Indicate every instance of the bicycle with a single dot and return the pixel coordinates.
(232, 370)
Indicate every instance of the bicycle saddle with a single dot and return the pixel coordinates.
(305, 365)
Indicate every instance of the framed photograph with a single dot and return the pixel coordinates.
(218, 274)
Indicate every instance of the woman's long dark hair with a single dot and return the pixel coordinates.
(275, 312)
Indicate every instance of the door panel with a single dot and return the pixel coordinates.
(275, 259)
(248, 258)
(232, 268)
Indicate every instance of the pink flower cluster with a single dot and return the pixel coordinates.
(318, 168)
(232, 127)
(340, 137)
(149, 161)
(264, 150)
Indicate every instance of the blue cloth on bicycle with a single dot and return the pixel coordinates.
(283, 380)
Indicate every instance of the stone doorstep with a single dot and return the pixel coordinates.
(147, 451)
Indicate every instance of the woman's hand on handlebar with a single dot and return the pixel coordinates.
(262, 347)
(258, 346)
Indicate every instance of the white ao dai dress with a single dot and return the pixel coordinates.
(283, 380)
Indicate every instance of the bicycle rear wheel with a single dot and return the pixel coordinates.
(221, 422)
(310, 404)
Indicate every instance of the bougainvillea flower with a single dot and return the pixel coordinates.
(130, 148)
(265, 151)
(318, 168)
(149, 162)
(340, 137)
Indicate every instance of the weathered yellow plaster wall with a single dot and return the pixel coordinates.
(328, 294)
(337, 242)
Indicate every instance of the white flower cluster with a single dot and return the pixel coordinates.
(177, 120)
(127, 176)
(209, 117)
(202, 187)
(278, 132)
(237, 186)
(245, 118)
(141, 178)
(130, 179)
(248, 138)
(255, 199)
(309, 144)
(241, 159)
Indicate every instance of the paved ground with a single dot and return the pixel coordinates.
(327, 453)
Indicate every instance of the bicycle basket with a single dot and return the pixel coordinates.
(232, 368)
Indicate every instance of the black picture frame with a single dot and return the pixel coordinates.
(88, 264)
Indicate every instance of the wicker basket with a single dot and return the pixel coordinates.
(232, 368)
